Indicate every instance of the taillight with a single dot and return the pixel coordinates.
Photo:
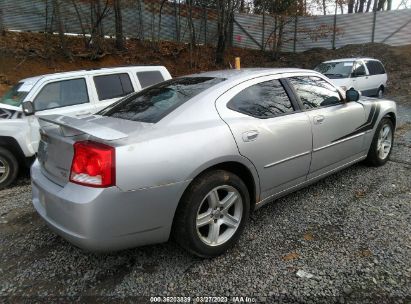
(93, 164)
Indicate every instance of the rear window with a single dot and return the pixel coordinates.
(148, 78)
(152, 104)
(113, 85)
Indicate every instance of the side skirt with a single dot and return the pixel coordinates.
(306, 183)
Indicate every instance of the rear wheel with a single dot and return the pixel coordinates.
(212, 213)
(380, 92)
(381, 145)
(9, 168)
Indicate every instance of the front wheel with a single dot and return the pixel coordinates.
(212, 214)
(9, 168)
(381, 145)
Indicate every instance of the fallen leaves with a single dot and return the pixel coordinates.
(308, 236)
(291, 256)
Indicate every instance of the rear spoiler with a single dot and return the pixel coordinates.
(84, 125)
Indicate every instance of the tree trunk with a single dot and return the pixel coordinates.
(280, 38)
(368, 6)
(2, 29)
(351, 6)
(324, 7)
(83, 31)
(140, 20)
(389, 4)
(220, 50)
(380, 6)
(118, 24)
(361, 6)
(60, 27)
(159, 19)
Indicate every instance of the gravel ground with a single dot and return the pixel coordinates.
(350, 233)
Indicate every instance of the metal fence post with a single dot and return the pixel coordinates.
(205, 25)
(262, 34)
(2, 31)
(334, 31)
(374, 21)
(295, 34)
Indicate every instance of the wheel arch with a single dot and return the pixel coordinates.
(244, 170)
(392, 117)
(12, 145)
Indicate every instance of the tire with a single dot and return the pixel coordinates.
(380, 92)
(9, 168)
(197, 207)
(375, 156)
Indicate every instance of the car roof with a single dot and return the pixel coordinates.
(90, 72)
(351, 59)
(248, 72)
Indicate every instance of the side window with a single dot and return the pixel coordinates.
(148, 78)
(263, 100)
(315, 92)
(62, 94)
(371, 67)
(379, 68)
(359, 69)
(113, 85)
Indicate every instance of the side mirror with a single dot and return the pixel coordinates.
(352, 95)
(28, 108)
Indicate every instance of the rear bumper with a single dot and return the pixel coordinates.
(106, 219)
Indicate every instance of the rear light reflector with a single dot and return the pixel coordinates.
(93, 164)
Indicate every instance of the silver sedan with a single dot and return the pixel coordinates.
(193, 156)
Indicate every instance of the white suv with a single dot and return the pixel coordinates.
(366, 75)
(74, 93)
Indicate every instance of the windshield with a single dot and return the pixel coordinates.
(335, 69)
(152, 104)
(14, 96)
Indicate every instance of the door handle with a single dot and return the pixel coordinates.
(250, 135)
(318, 119)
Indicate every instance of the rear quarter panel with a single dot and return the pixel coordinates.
(383, 107)
(176, 154)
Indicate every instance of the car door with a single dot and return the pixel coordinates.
(269, 130)
(337, 138)
(111, 87)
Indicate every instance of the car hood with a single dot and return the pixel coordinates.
(9, 107)
(340, 82)
(10, 112)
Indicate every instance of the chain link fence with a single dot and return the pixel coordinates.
(149, 20)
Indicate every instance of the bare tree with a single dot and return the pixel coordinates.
(351, 6)
(80, 19)
(118, 24)
(380, 5)
(225, 15)
(60, 27)
(159, 18)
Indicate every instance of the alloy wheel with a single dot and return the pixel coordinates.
(219, 215)
(384, 142)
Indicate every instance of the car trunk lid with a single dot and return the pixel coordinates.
(59, 133)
